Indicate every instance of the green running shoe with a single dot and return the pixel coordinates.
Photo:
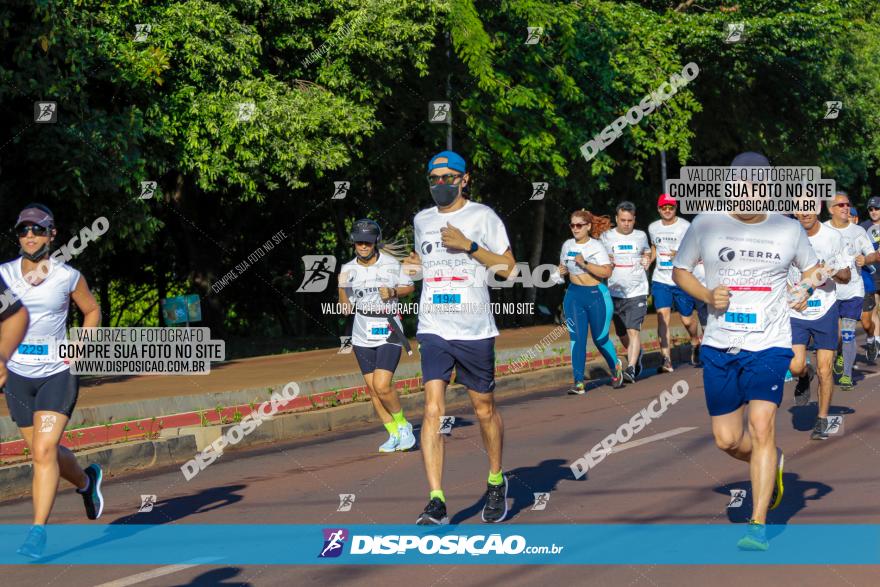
(837, 368)
(845, 382)
(755, 538)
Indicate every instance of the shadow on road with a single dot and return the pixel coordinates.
(176, 508)
(804, 417)
(217, 577)
(163, 512)
(523, 483)
(797, 493)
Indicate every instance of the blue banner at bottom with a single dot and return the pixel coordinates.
(514, 544)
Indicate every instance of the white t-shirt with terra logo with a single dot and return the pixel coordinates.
(455, 295)
(629, 278)
(752, 260)
(364, 282)
(666, 238)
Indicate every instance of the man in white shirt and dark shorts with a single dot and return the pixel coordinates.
(818, 321)
(850, 296)
(630, 253)
(455, 241)
(747, 344)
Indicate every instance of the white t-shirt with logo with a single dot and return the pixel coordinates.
(828, 246)
(629, 278)
(752, 260)
(363, 283)
(455, 294)
(592, 251)
(855, 243)
(666, 238)
(47, 303)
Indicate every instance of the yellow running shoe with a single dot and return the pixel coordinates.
(776, 498)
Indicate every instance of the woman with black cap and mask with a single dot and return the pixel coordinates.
(368, 285)
(41, 392)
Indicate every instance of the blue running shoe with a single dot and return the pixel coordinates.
(390, 445)
(35, 543)
(93, 500)
(755, 538)
(407, 439)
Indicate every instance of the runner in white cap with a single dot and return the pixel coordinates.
(40, 391)
(666, 234)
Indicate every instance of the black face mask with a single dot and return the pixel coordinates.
(36, 255)
(444, 194)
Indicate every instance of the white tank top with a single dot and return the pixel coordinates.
(47, 304)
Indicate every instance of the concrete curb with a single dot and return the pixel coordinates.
(178, 445)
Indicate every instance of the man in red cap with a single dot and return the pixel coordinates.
(666, 234)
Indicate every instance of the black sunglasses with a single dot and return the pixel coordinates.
(447, 179)
(38, 230)
(872, 209)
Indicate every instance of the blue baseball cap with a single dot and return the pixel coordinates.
(453, 161)
(853, 211)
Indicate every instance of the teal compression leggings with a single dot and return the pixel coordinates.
(588, 306)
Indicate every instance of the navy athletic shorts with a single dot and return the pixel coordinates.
(26, 395)
(473, 360)
(734, 379)
(823, 330)
(672, 296)
(370, 358)
(851, 308)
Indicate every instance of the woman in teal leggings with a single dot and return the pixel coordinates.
(587, 304)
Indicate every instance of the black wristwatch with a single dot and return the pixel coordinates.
(474, 248)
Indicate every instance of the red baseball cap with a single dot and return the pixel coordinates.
(665, 200)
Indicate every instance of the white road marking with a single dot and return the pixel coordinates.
(153, 574)
(652, 438)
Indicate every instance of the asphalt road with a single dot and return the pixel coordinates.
(676, 477)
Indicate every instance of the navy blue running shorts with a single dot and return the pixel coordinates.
(734, 379)
(473, 361)
(823, 330)
(385, 357)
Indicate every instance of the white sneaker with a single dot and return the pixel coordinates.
(390, 445)
(407, 439)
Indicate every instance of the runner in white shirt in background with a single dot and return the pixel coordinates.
(850, 296)
(41, 392)
(631, 255)
(747, 343)
(455, 241)
(369, 285)
(818, 320)
(666, 234)
(587, 303)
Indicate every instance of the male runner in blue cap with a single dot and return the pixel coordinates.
(454, 241)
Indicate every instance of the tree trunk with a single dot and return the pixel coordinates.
(537, 247)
